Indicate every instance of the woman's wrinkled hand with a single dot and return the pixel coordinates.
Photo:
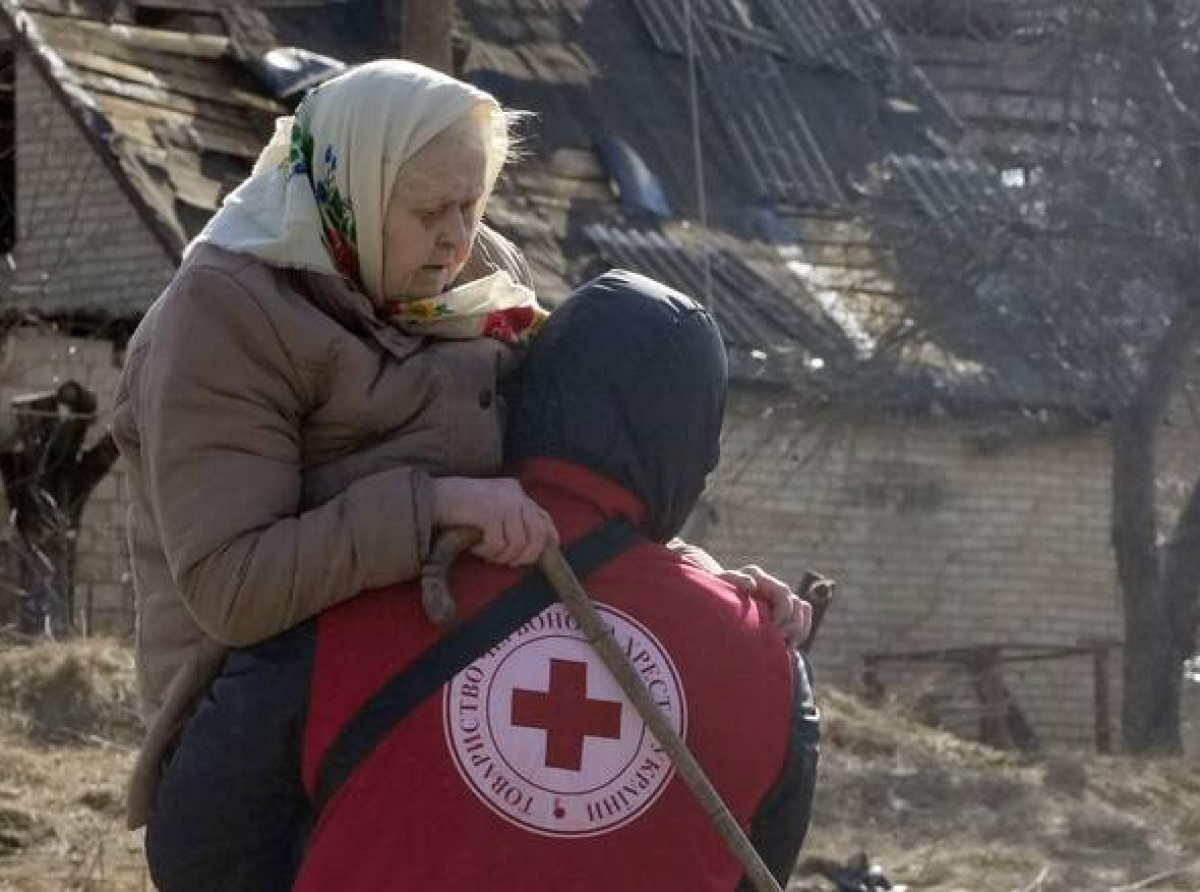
(515, 529)
(790, 613)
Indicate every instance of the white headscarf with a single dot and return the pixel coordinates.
(319, 192)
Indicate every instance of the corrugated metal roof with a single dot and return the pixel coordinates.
(665, 20)
(769, 130)
(849, 35)
(753, 313)
(953, 194)
(720, 28)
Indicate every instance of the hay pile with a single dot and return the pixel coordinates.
(68, 725)
(941, 813)
(936, 812)
(71, 692)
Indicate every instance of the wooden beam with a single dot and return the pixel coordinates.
(61, 35)
(213, 5)
(174, 83)
(130, 118)
(156, 100)
(180, 43)
(181, 5)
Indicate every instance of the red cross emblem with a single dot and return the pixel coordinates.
(566, 714)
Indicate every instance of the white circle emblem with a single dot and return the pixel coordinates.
(543, 735)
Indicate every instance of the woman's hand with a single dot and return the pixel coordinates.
(790, 613)
(515, 528)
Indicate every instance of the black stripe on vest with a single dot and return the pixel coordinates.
(452, 653)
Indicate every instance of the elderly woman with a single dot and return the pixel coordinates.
(292, 434)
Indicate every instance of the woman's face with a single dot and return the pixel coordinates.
(430, 221)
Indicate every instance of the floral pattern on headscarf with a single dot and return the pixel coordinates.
(492, 307)
(336, 210)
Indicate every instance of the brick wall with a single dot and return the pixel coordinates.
(80, 242)
(934, 544)
(37, 361)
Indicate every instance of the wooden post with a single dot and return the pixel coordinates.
(873, 690)
(425, 28)
(1100, 693)
(994, 699)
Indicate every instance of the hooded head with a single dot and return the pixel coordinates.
(627, 379)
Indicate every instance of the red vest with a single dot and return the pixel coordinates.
(529, 770)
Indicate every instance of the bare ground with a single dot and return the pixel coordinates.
(67, 729)
(935, 812)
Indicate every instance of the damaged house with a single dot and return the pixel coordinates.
(961, 499)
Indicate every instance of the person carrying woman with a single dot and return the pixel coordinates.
(367, 751)
(312, 396)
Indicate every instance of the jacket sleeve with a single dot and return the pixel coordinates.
(779, 825)
(219, 405)
(230, 810)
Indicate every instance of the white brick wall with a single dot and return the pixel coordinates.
(80, 243)
(933, 544)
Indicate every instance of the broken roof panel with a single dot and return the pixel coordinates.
(288, 72)
(953, 194)
(753, 313)
(251, 33)
(639, 190)
(769, 131)
(719, 28)
(849, 35)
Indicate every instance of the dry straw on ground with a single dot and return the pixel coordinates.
(936, 812)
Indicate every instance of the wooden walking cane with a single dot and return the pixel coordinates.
(439, 607)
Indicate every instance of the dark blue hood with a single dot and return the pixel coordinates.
(628, 379)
